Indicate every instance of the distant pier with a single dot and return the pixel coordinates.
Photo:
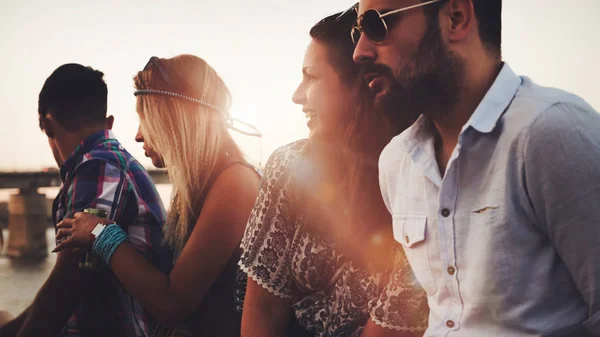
(27, 212)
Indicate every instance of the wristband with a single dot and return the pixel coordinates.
(108, 241)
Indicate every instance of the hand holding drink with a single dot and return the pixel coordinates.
(80, 232)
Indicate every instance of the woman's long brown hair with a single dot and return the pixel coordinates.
(341, 198)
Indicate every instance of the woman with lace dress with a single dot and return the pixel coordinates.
(318, 248)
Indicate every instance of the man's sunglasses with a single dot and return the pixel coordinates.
(373, 24)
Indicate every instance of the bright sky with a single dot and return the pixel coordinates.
(256, 46)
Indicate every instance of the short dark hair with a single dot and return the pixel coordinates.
(489, 17)
(75, 95)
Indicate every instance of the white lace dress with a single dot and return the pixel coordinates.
(331, 296)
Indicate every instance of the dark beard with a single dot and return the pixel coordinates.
(432, 85)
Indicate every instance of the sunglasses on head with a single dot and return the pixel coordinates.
(373, 24)
(154, 62)
(324, 26)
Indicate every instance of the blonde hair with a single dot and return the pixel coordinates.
(192, 138)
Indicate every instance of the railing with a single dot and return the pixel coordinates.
(51, 178)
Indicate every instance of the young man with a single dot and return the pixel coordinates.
(96, 172)
(495, 190)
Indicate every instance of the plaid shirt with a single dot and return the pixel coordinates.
(102, 174)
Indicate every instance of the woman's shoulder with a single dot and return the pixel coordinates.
(291, 150)
(283, 157)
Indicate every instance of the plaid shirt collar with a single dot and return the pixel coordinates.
(84, 147)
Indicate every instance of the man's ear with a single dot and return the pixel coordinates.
(458, 19)
(109, 122)
(47, 125)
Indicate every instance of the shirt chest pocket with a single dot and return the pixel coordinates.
(411, 232)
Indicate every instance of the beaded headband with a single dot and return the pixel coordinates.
(172, 94)
(230, 121)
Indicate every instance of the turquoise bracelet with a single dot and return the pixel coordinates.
(107, 242)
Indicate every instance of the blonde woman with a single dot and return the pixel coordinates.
(182, 104)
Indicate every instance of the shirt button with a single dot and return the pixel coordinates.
(450, 324)
(445, 212)
(407, 239)
(451, 270)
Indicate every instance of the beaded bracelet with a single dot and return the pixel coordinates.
(107, 242)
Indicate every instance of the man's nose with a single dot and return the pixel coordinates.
(364, 52)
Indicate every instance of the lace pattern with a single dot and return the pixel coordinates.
(291, 262)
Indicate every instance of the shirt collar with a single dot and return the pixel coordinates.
(485, 117)
(84, 147)
(496, 100)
